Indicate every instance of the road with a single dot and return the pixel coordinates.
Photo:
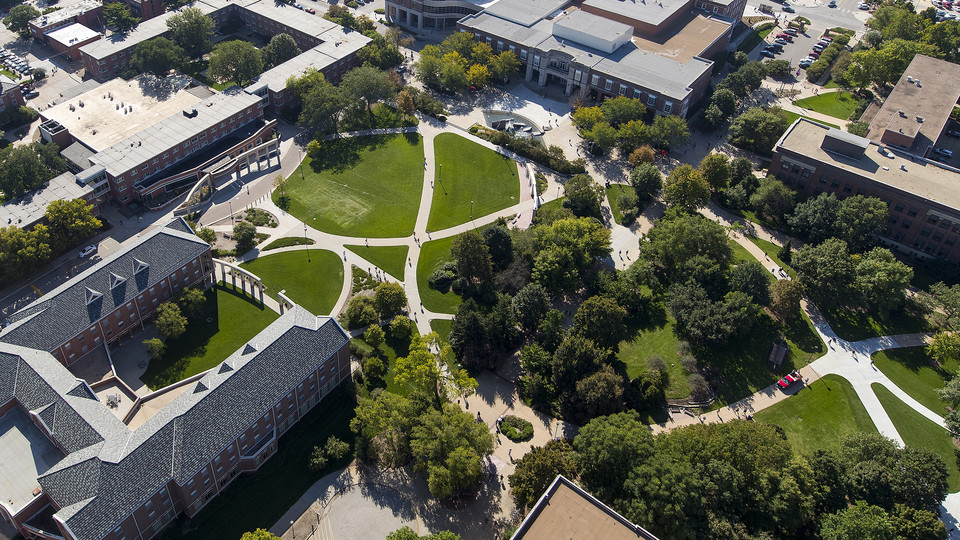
(821, 17)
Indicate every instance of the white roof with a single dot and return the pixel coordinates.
(73, 33)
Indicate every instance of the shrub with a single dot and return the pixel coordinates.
(353, 4)
(283, 202)
(336, 449)
(289, 241)
(379, 11)
(699, 389)
(443, 277)
(858, 128)
(551, 157)
(628, 216)
(655, 363)
(318, 460)
(516, 429)
(689, 363)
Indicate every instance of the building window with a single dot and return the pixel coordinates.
(499, 45)
(637, 94)
(906, 224)
(847, 188)
(913, 212)
(623, 89)
(608, 85)
(578, 75)
(806, 173)
(536, 60)
(823, 179)
(925, 231)
(667, 107)
(523, 55)
(595, 80)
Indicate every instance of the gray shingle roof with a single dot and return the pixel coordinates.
(64, 312)
(110, 469)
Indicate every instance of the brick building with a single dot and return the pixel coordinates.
(11, 97)
(658, 52)
(89, 13)
(68, 39)
(920, 194)
(83, 473)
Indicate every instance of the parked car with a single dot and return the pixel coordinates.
(787, 37)
(943, 152)
(789, 379)
(953, 133)
(780, 41)
(768, 53)
(863, 6)
(827, 39)
(833, 3)
(788, 9)
(31, 94)
(88, 251)
(791, 31)
(814, 54)
(310, 10)
(819, 48)
(775, 47)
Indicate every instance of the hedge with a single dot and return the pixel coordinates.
(516, 429)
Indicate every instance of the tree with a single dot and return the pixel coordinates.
(282, 47)
(608, 448)
(917, 524)
(478, 75)
(758, 129)
(816, 218)
(435, 373)
(450, 445)
(602, 320)
(19, 16)
(368, 84)
(882, 279)
(25, 167)
(157, 56)
(825, 271)
(785, 253)
(238, 61)
(171, 324)
(677, 239)
(390, 299)
(785, 296)
(584, 118)
(335, 449)
(531, 304)
(361, 312)
(567, 247)
(70, 222)
(453, 72)
(859, 219)
(208, 235)
(646, 181)
(155, 348)
(500, 245)
(861, 521)
(741, 169)
(715, 169)
(630, 136)
(685, 188)
(118, 16)
(472, 257)
(576, 358)
(504, 65)
(405, 104)
(375, 337)
(750, 278)
(583, 196)
(323, 103)
(191, 302)
(948, 299)
(945, 347)
(536, 470)
(621, 109)
(641, 155)
(725, 100)
(192, 29)
(318, 460)
(22, 251)
(598, 394)
(603, 136)
(773, 199)
(670, 130)
(245, 236)
(383, 427)
(259, 534)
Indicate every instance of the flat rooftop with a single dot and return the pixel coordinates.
(117, 109)
(526, 12)
(25, 454)
(932, 99)
(148, 29)
(924, 179)
(68, 10)
(695, 33)
(567, 511)
(337, 44)
(30, 208)
(151, 406)
(72, 33)
(652, 12)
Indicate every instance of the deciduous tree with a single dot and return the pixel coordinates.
(390, 299)
(171, 324)
(118, 16)
(237, 61)
(158, 56)
(583, 196)
(192, 29)
(282, 47)
(472, 257)
(685, 188)
(535, 471)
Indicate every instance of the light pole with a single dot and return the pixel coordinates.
(231, 210)
(293, 530)
(471, 209)
(300, 153)
(306, 242)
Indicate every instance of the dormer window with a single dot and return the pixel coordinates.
(92, 295)
(139, 266)
(116, 280)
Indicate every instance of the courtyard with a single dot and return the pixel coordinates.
(311, 277)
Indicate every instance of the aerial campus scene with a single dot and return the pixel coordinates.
(479, 269)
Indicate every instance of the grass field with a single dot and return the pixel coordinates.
(914, 372)
(468, 172)
(818, 416)
(649, 339)
(791, 116)
(390, 259)
(442, 328)
(916, 430)
(259, 499)
(206, 344)
(314, 284)
(855, 325)
(432, 255)
(362, 186)
(755, 37)
(613, 192)
(771, 250)
(287, 242)
(837, 104)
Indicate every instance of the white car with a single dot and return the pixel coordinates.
(864, 6)
(88, 251)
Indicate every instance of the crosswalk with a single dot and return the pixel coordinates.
(324, 530)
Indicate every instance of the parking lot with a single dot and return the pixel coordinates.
(800, 47)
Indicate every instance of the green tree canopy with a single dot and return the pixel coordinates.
(621, 109)
(25, 167)
(245, 236)
(70, 221)
(685, 188)
(237, 61)
(368, 85)
(758, 129)
(608, 448)
(536, 470)
(118, 16)
(19, 16)
(171, 324)
(192, 29)
(191, 302)
(882, 279)
(826, 271)
(158, 56)
(450, 445)
(583, 196)
(602, 320)
(472, 257)
(679, 238)
(773, 199)
(715, 169)
(282, 47)
(646, 180)
(390, 299)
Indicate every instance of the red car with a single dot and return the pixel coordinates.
(310, 10)
(787, 37)
(789, 379)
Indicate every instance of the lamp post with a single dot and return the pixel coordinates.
(300, 153)
(306, 242)
(293, 530)
(231, 210)
(471, 209)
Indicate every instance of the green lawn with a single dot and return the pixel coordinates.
(388, 352)
(442, 328)
(362, 186)
(917, 430)
(831, 83)
(855, 325)
(287, 242)
(818, 416)
(196, 68)
(915, 373)
(206, 344)
(314, 284)
(791, 116)
(468, 172)
(613, 192)
(755, 37)
(390, 259)
(743, 361)
(432, 255)
(655, 339)
(771, 250)
(837, 104)
(261, 498)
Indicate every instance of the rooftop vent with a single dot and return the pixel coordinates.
(920, 119)
(190, 113)
(902, 114)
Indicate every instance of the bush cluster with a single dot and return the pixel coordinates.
(530, 148)
(827, 57)
(516, 429)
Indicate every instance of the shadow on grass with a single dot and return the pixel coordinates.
(853, 324)
(341, 154)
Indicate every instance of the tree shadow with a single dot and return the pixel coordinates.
(341, 154)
